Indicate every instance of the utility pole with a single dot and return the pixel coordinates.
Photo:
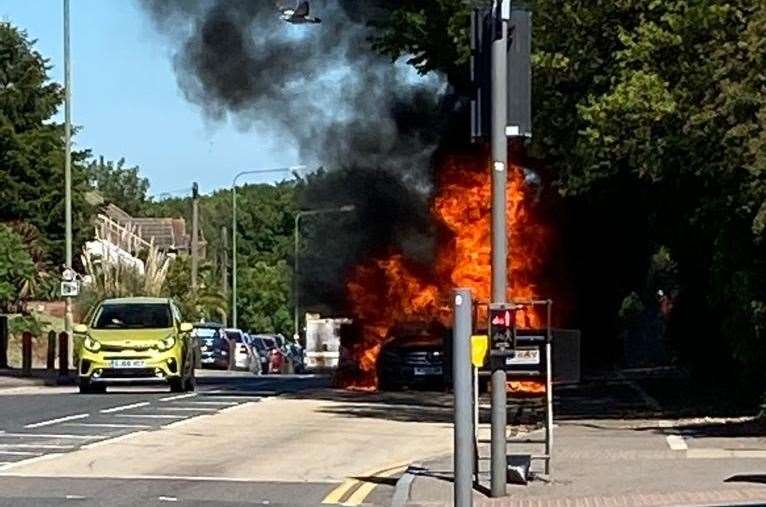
(500, 16)
(67, 173)
(195, 236)
(461, 367)
(225, 267)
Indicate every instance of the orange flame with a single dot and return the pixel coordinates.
(385, 291)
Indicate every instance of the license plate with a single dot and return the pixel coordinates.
(127, 363)
(432, 370)
(524, 356)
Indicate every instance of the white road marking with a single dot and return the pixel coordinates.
(35, 446)
(248, 397)
(50, 435)
(19, 453)
(75, 497)
(55, 421)
(109, 425)
(676, 443)
(213, 403)
(151, 416)
(189, 409)
(167, 499)
(178, 397)
(124, 407)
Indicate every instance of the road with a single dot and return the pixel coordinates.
(239, 440)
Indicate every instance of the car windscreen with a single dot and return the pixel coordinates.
(234, 336)
(258, 343)
(133, 316)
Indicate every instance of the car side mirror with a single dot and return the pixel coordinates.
(80, 329)
(186, 327)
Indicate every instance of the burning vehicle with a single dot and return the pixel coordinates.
(415, 355)
(388, 291)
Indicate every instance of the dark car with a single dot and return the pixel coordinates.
(414, 356)
(213, 344)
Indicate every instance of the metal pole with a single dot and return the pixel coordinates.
(501, 13)
(548, 394)
(67, 172)
(296, 296)
(195, 237)
(234, 254)
(225, 266)
(461, 377)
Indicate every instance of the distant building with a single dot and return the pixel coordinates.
(134, 233)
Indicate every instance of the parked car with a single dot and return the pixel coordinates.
(414, 355)
(272, 356)
(213, 343)
(134, 340)
(294, 357)
(244, 355)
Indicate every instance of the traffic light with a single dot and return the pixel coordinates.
(502, 327)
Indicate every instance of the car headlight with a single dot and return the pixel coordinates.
(167, 343)
(91, 344)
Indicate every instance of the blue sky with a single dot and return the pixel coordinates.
(126, 101)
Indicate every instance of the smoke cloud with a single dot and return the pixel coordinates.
(321, 86)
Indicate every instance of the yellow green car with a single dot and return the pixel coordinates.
(134, 341)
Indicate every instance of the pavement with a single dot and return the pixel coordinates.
(239, 440)
(615, 444)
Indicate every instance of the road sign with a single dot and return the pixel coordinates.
(70, 289)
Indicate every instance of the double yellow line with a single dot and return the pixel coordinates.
(364, 488)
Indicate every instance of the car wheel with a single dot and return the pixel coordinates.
(177, 385)
(87, 387)
(191, 382)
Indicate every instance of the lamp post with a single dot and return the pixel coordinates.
(304, 213)
(234, 230)
(67, 172)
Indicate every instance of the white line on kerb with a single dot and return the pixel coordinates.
(178, 397)
(124, 407)
(54, 421)
(19, 453)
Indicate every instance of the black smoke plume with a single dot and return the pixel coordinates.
(372, 123)
(319, 87)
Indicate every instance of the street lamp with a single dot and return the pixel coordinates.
(67, 174)
(342, 209)
(234, 229)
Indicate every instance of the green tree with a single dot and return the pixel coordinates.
(120, 185)
(16, 266)
(32, 145)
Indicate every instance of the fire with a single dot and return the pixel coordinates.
(392, 289)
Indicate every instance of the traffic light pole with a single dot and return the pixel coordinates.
(501, 14)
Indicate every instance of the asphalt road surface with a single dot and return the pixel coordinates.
(239, 440)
